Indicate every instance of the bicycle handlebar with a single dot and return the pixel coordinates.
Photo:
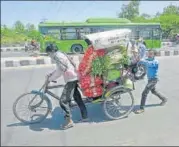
(46, 83)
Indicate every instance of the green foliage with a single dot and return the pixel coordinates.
(34, 35)
(169, 20)
(130, 11)
(146, 16)
(171, 9)
(124, 60)
(19, 27)
(100, 65)
(10, 36)
(30, 27)
(169, 24)
(19, 33)
(153, 44)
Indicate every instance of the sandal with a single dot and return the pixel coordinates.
(139, 111)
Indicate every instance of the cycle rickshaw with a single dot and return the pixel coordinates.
(110, 99)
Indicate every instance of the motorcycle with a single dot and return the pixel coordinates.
(32, 48)
(138, 70)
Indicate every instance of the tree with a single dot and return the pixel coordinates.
(157, 14)
(169, 24)
(19, 27)
(130, 11)
(171, 9)
(30, 27)
(146, 16)
(169, 20)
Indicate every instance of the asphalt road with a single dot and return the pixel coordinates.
(157, 126)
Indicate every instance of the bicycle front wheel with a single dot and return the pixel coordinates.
(31, 111)
(119, 103)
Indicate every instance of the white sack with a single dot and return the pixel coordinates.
(109, 39)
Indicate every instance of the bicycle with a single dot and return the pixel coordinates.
(112, 95)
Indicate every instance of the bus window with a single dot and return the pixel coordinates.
(95, 29)
(68, 34)
(44, 30)
(146, 33)
(86, 30)
(108, 28)
(81, 32)
(156, 33)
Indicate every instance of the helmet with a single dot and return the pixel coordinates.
(51, 48)
(88, 42)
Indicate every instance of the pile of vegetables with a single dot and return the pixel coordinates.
(98, 65)
(102, 64)
(91, 85)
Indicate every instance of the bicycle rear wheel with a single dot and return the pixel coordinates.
(113, 107)
(33, 109)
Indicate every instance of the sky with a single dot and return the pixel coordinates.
(35, 11)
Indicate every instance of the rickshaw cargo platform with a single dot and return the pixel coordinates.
(108, 39)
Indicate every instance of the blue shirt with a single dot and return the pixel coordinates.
(152, 68)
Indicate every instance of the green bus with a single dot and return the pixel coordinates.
(69, 36)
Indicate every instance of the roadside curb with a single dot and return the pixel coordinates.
(8, 49)
(29, 61)
(166, 52)
(43, 59)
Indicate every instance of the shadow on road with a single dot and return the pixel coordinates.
(146, 106)
(95, 113)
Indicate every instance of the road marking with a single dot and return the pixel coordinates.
(52, 65)
(29, 67)
(17, 58)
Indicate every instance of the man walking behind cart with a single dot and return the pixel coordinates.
(152, 73)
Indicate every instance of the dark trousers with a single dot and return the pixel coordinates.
(151, 86)
(71, 89)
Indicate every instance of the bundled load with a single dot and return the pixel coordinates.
(108, 50)
(109, 39)
(91, 85)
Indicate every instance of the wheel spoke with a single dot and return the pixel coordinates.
(28, 115)
(115, 107)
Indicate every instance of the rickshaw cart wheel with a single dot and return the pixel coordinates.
(112, 103)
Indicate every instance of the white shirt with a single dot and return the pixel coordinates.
(134, 59)
(63, 68)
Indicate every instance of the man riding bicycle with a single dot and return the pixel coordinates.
(66, 68)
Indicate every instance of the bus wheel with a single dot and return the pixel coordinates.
(77, 48)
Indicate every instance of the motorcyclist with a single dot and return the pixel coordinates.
(134, 59)
(26, 45)
(66, 68)
(142, 48)
(33, 43)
